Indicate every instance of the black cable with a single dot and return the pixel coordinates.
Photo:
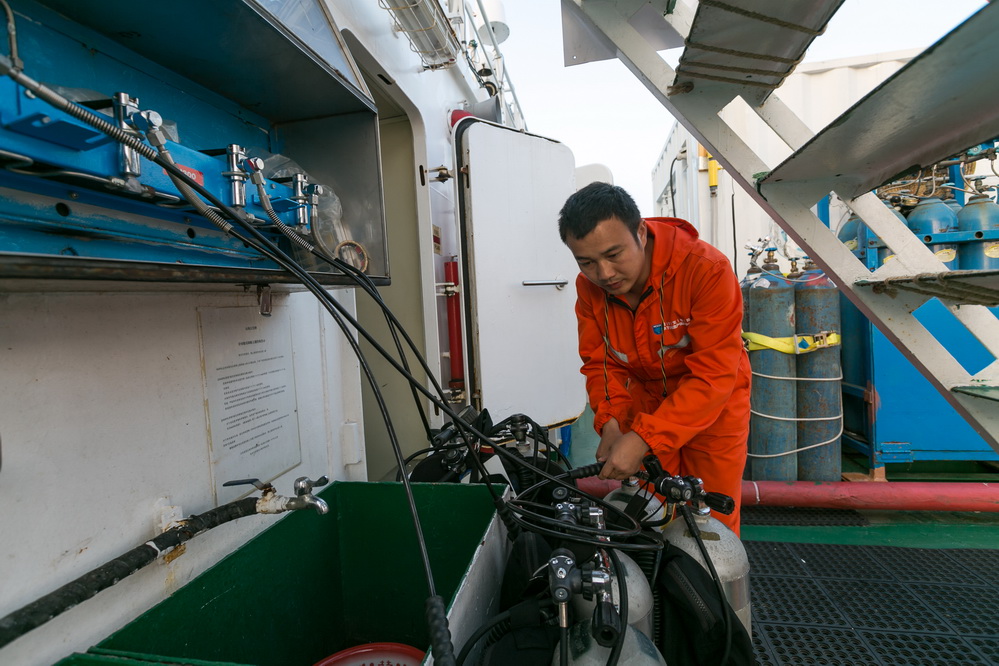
(652, 495)
(264, 245)
(656, 544)
(298, 239)
(268, 249)
(735, 242)
(42, 610)
(394, 326)
(435, 608)
(563, 646)
(487, 627)
(365, 283)
(526, 507)
(558, 452)
(411, 457)
(363, 280)
(723, 599)
(622, 589)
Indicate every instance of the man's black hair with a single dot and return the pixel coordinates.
(593, 204)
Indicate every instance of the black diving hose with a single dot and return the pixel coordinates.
(622, 590)
(723, 600)
(40, 611)
(435, 604)
(497, 626)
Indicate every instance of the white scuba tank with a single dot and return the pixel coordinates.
(640, 602)
(727, 554)
(638, 649)
(654, 508)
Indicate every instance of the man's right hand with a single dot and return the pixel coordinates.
(611, 433)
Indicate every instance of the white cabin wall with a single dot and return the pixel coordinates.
(413, 208)
(406, 300)
(104, 417)
(103, 394)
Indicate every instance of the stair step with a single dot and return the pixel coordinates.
(989, 392)
(979, 287)
(749, 45)
(939, 104)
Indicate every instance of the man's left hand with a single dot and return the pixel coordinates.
(625, 457)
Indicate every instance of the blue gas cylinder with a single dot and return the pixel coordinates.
(979, 214)
(819, 393)
(932, 216)
(872, 243)
(953, 204)
(773, 429)
(752, 274)
(848, 231)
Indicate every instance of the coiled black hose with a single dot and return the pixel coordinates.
(496, 628)
(658, 618)
(39, 612)
(440, 635)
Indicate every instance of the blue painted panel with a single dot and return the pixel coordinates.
(908, 409)
(61, 183)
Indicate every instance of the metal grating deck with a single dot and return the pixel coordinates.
(789, 515)
(877, 605)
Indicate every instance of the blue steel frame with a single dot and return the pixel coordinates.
(49, 217)
(892, 413)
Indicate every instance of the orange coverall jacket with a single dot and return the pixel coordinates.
(674, 370)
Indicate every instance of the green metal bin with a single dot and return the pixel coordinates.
(312, 585)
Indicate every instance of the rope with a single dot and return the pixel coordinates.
(788, 418)
(761, 17)
(799, 379)
(788, 279)
(804, 448)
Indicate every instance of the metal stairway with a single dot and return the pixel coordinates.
(744, 49)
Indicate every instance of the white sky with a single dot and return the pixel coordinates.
(602, 112)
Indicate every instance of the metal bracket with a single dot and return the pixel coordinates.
(443, 174)
(264, 299)
(447, 289)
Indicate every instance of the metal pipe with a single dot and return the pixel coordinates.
(871, 495)
(454, 329)
(892, 496)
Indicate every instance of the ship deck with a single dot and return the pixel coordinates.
(873, 587)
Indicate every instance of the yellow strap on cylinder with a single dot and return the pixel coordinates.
(798, 344)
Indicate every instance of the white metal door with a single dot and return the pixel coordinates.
(520, 278)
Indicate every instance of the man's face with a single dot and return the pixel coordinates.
(611, 257)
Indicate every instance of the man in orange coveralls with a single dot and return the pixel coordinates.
(660, 323)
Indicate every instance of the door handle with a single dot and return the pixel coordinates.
(558, 283)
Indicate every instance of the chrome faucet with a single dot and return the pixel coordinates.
(271, 502)
(304, 497)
